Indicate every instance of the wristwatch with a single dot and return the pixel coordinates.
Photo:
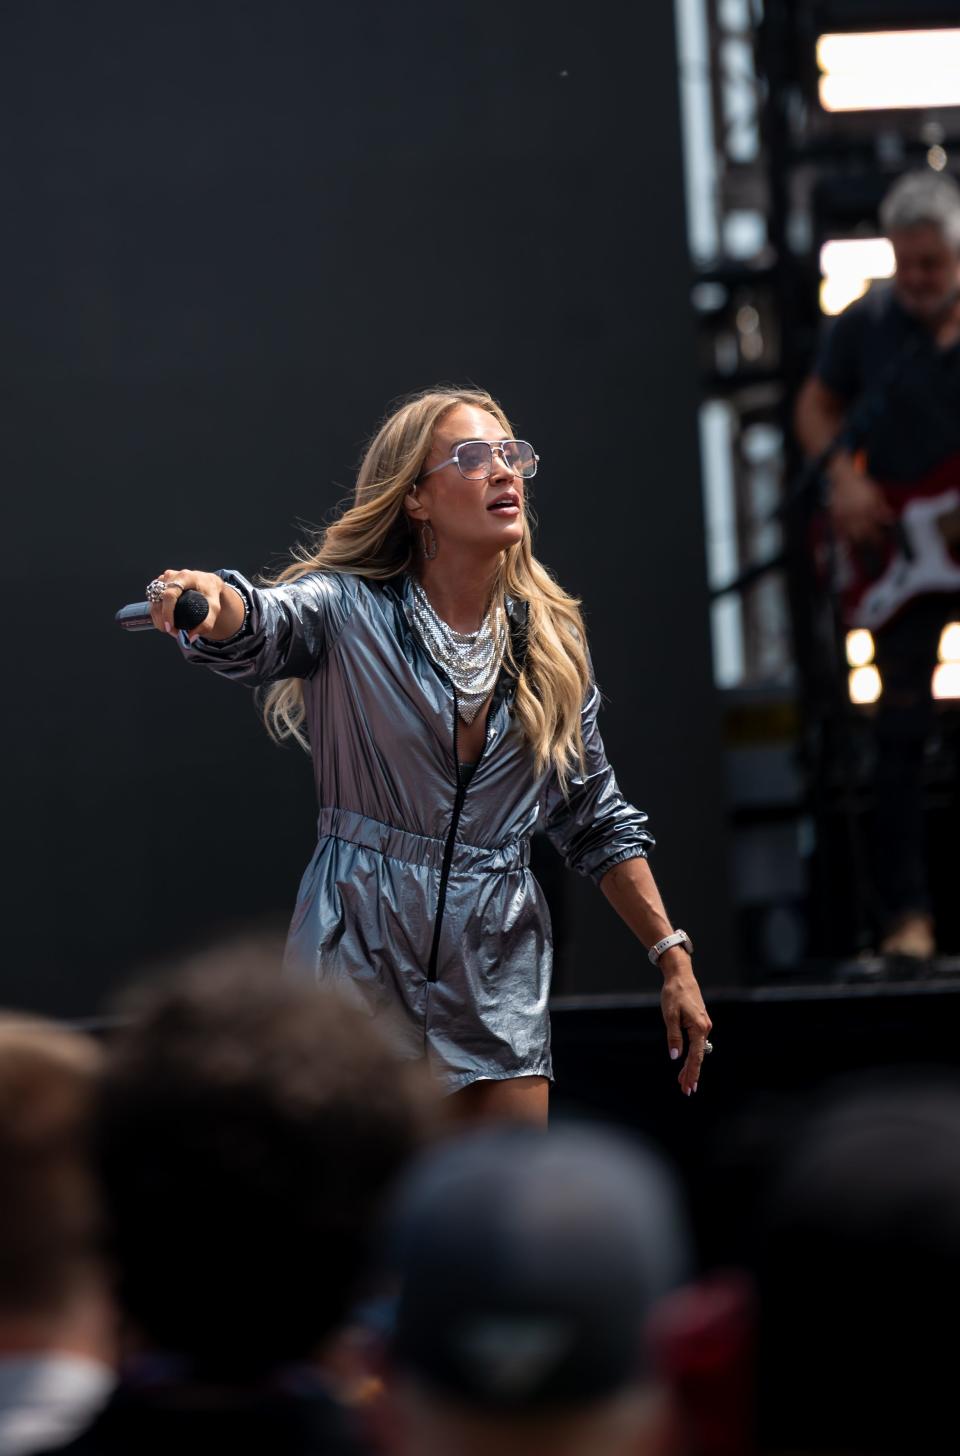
(679, 937)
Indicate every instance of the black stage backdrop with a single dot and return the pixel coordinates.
(234, 233)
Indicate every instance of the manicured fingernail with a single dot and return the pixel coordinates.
(673, 1054)
(695, 1086)
(689, 1091)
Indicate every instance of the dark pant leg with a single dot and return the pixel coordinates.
(906, 654)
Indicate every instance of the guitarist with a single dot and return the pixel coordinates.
(886, 387)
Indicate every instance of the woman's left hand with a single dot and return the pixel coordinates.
(684, 1011)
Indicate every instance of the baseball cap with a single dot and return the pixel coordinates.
(527, 1265)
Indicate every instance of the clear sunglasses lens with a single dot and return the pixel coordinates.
(474, 459)
(520, 457)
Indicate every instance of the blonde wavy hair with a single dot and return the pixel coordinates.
(375, 538)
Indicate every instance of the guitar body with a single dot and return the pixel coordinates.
(919, 555)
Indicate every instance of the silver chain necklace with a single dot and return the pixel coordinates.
(471, 660)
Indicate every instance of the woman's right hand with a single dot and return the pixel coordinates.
(225, 615)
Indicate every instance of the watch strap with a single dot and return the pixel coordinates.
(679, 937)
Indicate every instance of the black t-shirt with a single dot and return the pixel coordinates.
(903, 391)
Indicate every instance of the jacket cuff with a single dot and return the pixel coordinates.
(637, 851)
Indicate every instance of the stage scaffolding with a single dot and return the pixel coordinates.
(772, 176)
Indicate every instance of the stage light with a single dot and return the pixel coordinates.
(946, 681)
(949, 649)
(848, 266)
(859, 647)
(889, 70)
(864, 685)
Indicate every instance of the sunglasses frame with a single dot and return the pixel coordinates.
(495, 447)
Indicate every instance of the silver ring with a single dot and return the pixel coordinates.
(707, 1048)
(157, 587)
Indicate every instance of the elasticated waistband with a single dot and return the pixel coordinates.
(418, 849)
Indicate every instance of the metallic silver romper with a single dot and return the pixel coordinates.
(418, 901)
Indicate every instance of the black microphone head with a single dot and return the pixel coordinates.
(190, 610)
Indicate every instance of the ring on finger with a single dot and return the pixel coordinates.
(157, 587)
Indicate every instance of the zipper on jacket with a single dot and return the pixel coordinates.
(459, 797)
(448, 847)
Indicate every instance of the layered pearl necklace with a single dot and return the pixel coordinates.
(471, 660)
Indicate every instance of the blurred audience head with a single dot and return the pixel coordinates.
(859, 1277)
(57, 1326)
(921, 216)
(528, 1264)
(49, 1221)
(248, 1131)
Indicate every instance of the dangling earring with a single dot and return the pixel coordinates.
(428, 541)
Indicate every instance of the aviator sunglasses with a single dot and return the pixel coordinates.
(474, 459)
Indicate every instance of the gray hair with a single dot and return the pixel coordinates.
(923, 197)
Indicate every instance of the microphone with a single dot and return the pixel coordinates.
(191, 608)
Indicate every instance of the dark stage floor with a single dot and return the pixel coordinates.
(779, 1052)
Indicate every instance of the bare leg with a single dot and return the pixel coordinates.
(514, 1099)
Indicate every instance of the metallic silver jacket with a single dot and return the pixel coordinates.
(418, 899)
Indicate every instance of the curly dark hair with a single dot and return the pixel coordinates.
(248, 1130)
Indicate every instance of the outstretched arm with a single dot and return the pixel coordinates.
(259, 635)
(632, 891)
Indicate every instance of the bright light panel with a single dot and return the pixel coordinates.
(946, 680)
(859, 647)
(887, 70)
(949, 649)
(848, 266)
(865, 685)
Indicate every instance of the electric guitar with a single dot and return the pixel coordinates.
(919, 553)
